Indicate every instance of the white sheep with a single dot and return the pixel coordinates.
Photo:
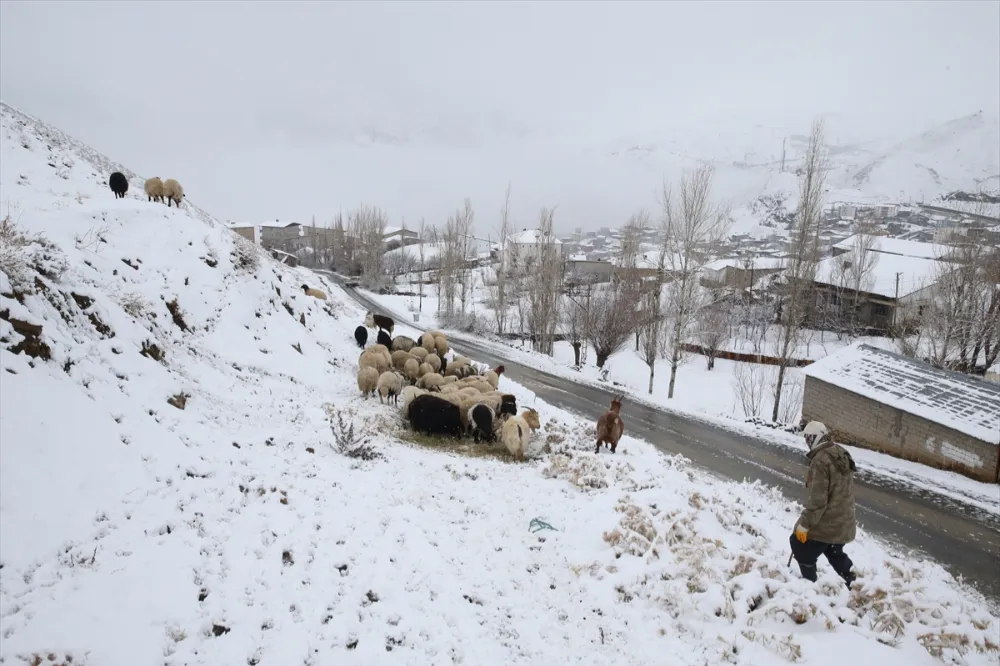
(382, 349)
(420, 353)
(154, 189)
(408, 394)
(516, 430)
(412, 369)
(441, 345)
(173, 192)
(399, 359)
(373, 359)
(431, 381)
(427, 342)
(367, 380)
(434, 361)
(390, 385)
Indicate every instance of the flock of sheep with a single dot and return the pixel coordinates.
(440, 396)
(157, 190)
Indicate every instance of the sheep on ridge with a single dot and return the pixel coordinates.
(154, 189)
(315, 293)
(361, 335)
(390, 385)
(118, 184)
(367, 380)
(173, 192)
(516, 430)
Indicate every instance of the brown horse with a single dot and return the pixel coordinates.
(610, 426)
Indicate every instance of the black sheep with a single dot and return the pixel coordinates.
(119, 184)
(361, 335)
(433, 415)
(379, 321)
(481, 416)
(508, 404)
(384, 339)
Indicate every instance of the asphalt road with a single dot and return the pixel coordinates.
(963, 539)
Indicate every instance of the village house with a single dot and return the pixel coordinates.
(886, 402)
(523, 248)
(739, 273)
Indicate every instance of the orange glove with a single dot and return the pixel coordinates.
(800, 533)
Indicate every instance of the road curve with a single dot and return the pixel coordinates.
(963, 539)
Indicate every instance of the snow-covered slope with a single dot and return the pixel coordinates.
(169, 492)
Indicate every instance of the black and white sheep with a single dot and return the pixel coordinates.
(118, 184)
(373, 320)
(154, 189)
(173, 192)
(384, 339)
(315, 293)
(434, 416)
(481, 417)
(361, 335)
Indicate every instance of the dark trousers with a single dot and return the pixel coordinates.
(807, 553)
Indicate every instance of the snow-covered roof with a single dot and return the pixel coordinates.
(578, 257)
(757, 263)
(906, 248)
(914, 274)
(947, 398)
(531, 237)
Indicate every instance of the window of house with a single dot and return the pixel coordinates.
(881, 310)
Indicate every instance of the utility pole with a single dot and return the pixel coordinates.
(895, 305)
(783, 155)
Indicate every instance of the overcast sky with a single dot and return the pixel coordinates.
(285, 110)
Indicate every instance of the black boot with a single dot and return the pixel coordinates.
(808, 571)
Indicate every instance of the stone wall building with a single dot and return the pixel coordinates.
(880, 400)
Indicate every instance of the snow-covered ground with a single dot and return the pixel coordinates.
(713, 394)
(226, 528)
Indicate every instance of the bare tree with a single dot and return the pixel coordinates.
(693, 225)
(610, 318)
(498, 290)
(368, 229)
(649, 331)
(749, 383)
(630, 252)
(800, 270)
(853, 275)
(421, 249)
(712, 331)
(545, 286)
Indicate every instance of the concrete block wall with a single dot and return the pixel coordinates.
(857, 420)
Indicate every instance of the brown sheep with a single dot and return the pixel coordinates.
(610, 426)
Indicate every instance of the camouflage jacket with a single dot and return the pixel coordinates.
(829, 511)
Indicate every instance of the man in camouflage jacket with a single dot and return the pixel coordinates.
(827, 523)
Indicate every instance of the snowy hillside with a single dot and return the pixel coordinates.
(170, 492)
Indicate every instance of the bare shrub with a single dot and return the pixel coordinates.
(346, 440)
(610, 319)
(135, 305)
(712, 331)
(96, 236)
(245, 254)
(24, 255)
(792, 389)
(750, 384)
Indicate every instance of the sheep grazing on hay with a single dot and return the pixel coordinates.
(610, 426)
(173, 192)
(424, 369)
(315, 293)
(118, 184)
(434, 361)
(481, 416)
(408, 394)
(384, 339)
(403, 343)
(516, 430)
(367, 380)
(508, 405)
(390, 385)
(361, 335)
(493, 376)
(154, 189)
(373, 320)
(430, 381)
(434, 416)
(419, 352)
